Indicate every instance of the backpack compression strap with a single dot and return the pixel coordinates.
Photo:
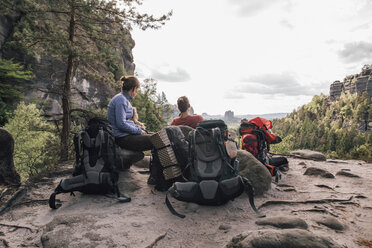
(52, 201)
(52, 198)
(250, 192)
(169, 204)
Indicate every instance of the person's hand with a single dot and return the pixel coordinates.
(143, 132)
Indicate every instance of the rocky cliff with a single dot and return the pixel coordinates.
(357, 83)
(46, 87)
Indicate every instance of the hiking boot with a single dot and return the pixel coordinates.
(151, 180)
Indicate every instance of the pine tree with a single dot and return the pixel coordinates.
(80, 33)
(10, 73)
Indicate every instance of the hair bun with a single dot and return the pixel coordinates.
(123, 78)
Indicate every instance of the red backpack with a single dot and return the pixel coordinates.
(256, 138)
(250, 143)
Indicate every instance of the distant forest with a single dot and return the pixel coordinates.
(339, 129)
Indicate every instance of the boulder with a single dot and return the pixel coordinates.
(8, 174)
(255, 171)
(144, 163)
(331, 222)
(130, 157)
(346, 174)
(129, 181)
(283, 222)
(308, 154)
(271, 238)
(312, 171)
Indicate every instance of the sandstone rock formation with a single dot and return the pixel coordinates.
(358, 83)
(229, 116)
(308, 154)
(46, 87)
(283, 222)
(255, 171)
(8, 175)
(270, 238)
(312, 171)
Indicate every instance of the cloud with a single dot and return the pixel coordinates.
(356, 51)
(253, 7)
(233, 94)
(362, 27)
(174, 75)
(286, 23)
(278, 84)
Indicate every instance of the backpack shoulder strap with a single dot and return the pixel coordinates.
(216, 134)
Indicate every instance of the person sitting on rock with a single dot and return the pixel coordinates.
(185, 118)
(127, 134)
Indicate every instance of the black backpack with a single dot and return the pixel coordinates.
(212, 176)
(97, 163)
(169, 157)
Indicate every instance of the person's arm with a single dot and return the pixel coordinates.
(121, 122)
(173, 122)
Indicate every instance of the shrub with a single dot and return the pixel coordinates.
(35, 141)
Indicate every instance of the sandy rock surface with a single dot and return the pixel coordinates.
(309, 154)
(337, 213)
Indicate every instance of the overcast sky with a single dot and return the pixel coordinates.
(253, 56)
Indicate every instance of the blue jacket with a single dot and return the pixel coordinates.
(119, 112)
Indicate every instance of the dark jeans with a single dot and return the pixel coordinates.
(135, 142)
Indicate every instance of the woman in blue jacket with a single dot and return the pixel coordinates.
(128, 135)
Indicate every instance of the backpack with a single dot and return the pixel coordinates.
(97, 163)
(212, 176)
(169, 156)
(256, 138)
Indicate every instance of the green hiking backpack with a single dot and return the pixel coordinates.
(212, 177)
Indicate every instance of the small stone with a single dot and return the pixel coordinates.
(136, 225)
(283, 222)
(224, 227)
(312, 171)
(346, 174)
(302, 163)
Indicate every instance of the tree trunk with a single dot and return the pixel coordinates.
(67, 90)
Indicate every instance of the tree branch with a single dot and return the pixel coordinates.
(16, 226)
(268, 203)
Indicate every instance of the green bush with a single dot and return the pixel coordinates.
(35, 141)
